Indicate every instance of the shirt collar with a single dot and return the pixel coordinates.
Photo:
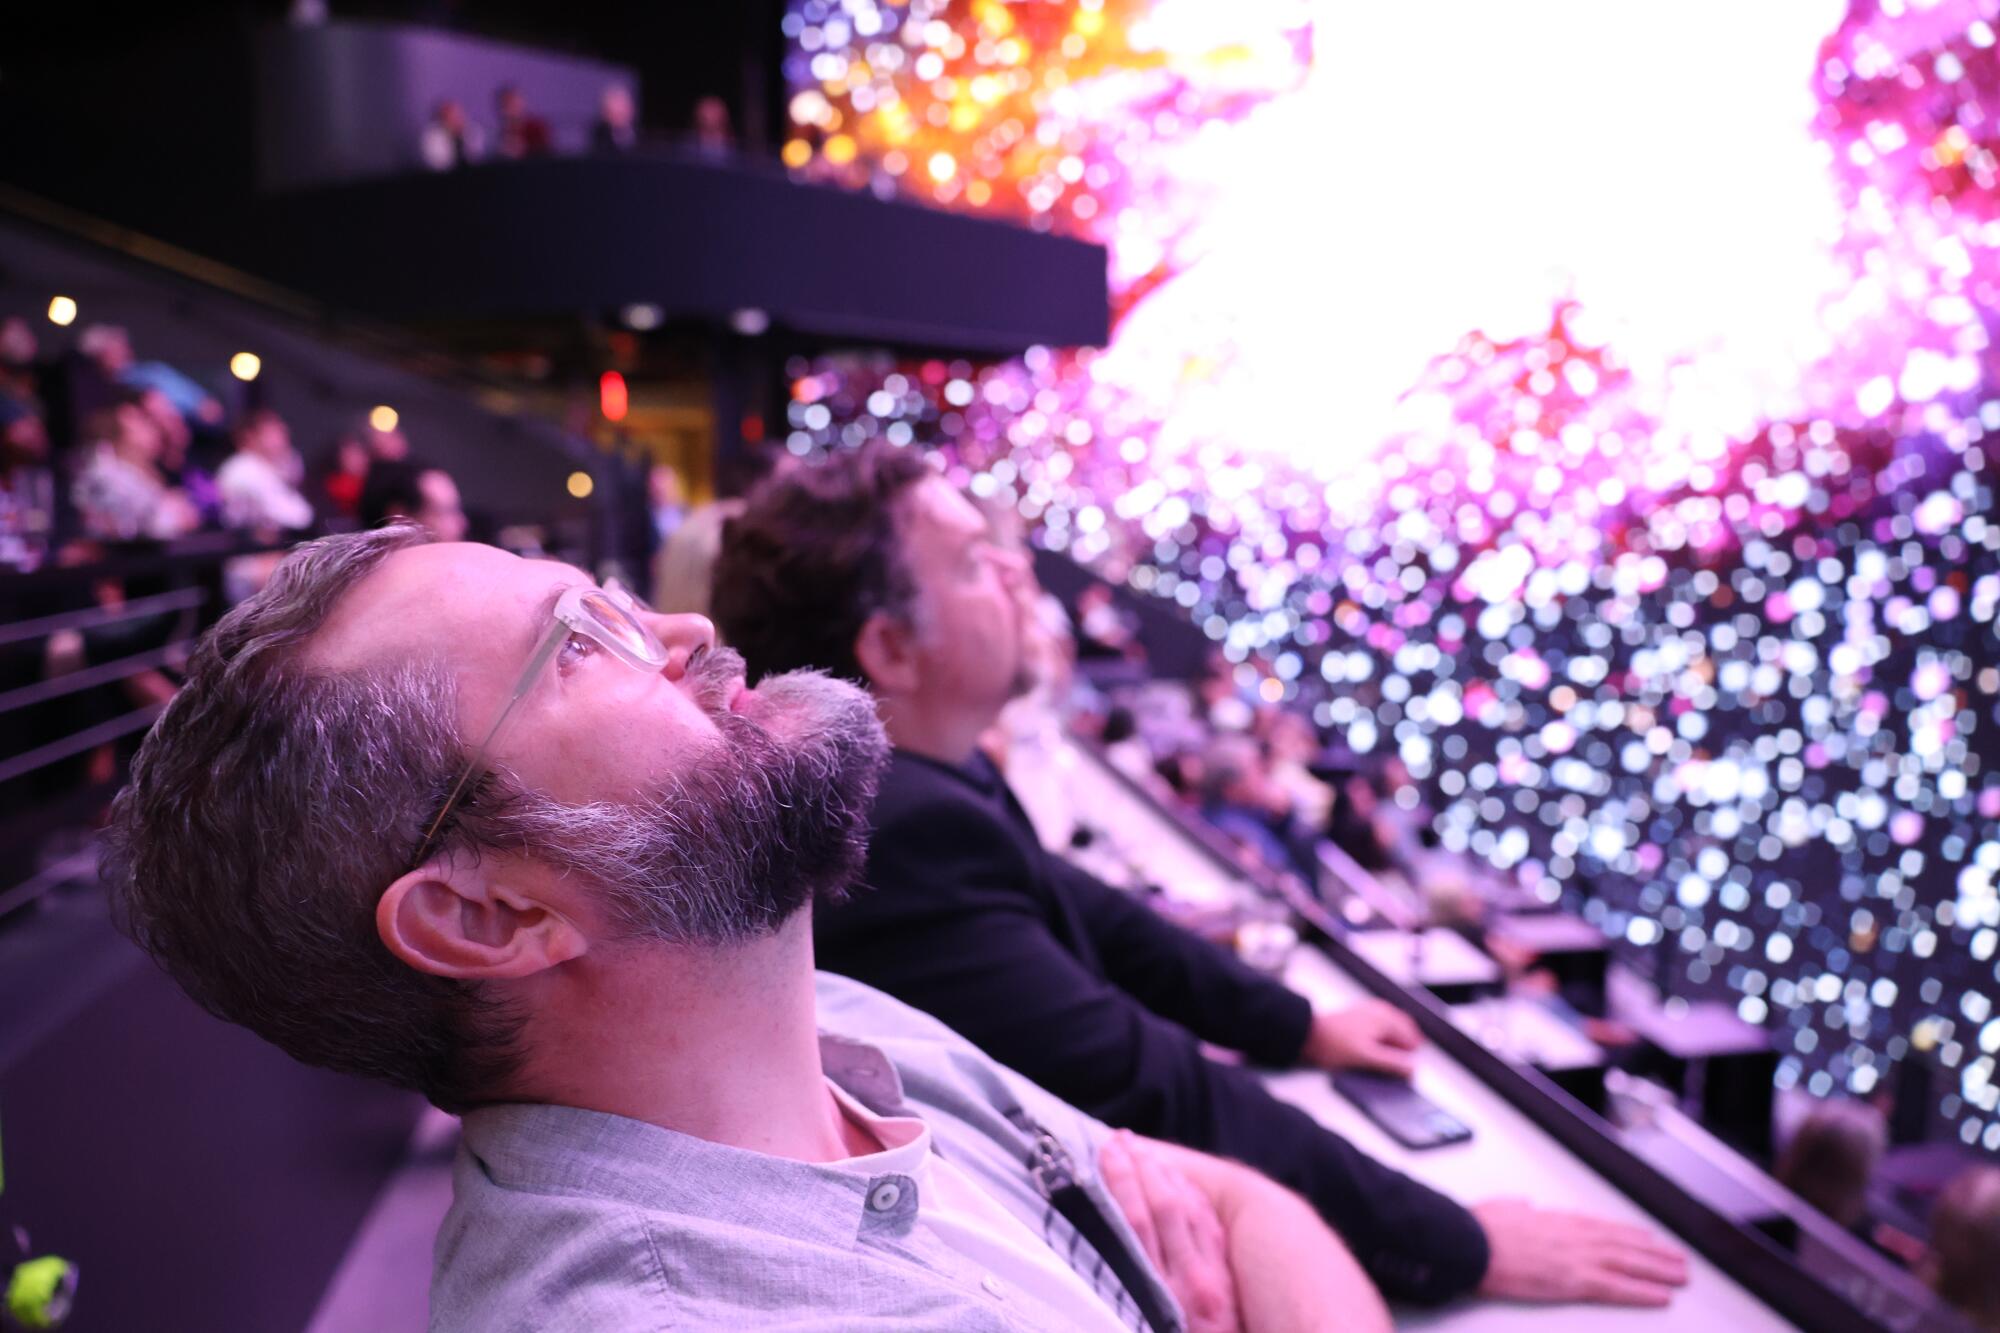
(568, 1150)
(977, 772)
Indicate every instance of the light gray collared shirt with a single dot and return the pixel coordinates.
(564, 1219)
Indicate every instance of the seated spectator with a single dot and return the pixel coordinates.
(522, 133)
(614, 131)
(426, 495)
(713, 134)
(600, 954)
(19, 352)
(121, 493)
(177, 464)
(341, 479)
(684, 569)
(1962, 1263)
(874, 568)
(259, 483)
(386, 446)
(27, 487)
(1240, 797)
(1831, 1158)
(451, 139)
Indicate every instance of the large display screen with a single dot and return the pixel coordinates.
(1594, 405)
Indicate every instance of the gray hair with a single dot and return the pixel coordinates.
(267, 811)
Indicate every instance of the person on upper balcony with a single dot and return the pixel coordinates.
(452, 139)
(873, 567)
(522, 133)
(615, 130)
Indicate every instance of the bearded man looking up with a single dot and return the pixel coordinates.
(474, 825)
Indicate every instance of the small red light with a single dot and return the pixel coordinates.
(611, 397)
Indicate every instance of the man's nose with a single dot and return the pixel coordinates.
(1014, 566)
(684, 635)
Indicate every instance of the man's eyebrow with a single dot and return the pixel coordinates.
(545, 611)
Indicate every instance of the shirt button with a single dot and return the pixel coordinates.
(994, 1287)
(885, 1196)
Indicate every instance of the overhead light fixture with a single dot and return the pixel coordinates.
(62, 310)
(383, 418)
(581, 485)
(642, 317)
(246, 366)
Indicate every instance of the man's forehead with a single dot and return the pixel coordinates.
(437, 597)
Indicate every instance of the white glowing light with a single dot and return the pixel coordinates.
(1530, 158)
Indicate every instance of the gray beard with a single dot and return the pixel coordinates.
(759, 823)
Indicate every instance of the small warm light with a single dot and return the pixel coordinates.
(383, 418)
(62, 310)
(580, 485)
(797, 153)
(245, 366)
(612, 400)
(943, 167)
(642, 318)
(840, 150)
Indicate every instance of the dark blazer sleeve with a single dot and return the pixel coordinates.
(952, 923)
(1179, 975)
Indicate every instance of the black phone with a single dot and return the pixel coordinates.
(1403, 1113)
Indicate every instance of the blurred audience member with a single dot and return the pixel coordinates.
(1963, 1262)
(451, 139)
(405, 490)
(522, 133)
(666, 500)
(614, 131)
(27, 487)
(1104, 630)
(121, 492)
(686, 563)
(713, 134)
(388, 446)
(341, 478)
(1240, 797)
(177, 463)
(1832, 1157)
(109, 348)
(19, 351)
(187, 397)
(260, 482)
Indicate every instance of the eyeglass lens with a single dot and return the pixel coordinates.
(619, 625)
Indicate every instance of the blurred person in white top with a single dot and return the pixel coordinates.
(259, 483)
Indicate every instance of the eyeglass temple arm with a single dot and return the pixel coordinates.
(553, 640)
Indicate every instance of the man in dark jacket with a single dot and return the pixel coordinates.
(875, 568)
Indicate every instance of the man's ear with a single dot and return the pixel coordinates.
(474, 923)
(886, 650)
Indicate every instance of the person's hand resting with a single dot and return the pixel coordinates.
(1369, 1034)
(1543, 1255)
(1179, 1229)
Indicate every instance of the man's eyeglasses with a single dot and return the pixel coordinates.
(609, 617)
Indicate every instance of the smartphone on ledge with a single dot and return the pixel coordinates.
(1401, 1112)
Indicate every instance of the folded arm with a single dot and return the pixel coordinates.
(1245, 1252)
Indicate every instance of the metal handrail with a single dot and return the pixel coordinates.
(70, 746)
(94, 617)
(103, 674)
(1749, 1257)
